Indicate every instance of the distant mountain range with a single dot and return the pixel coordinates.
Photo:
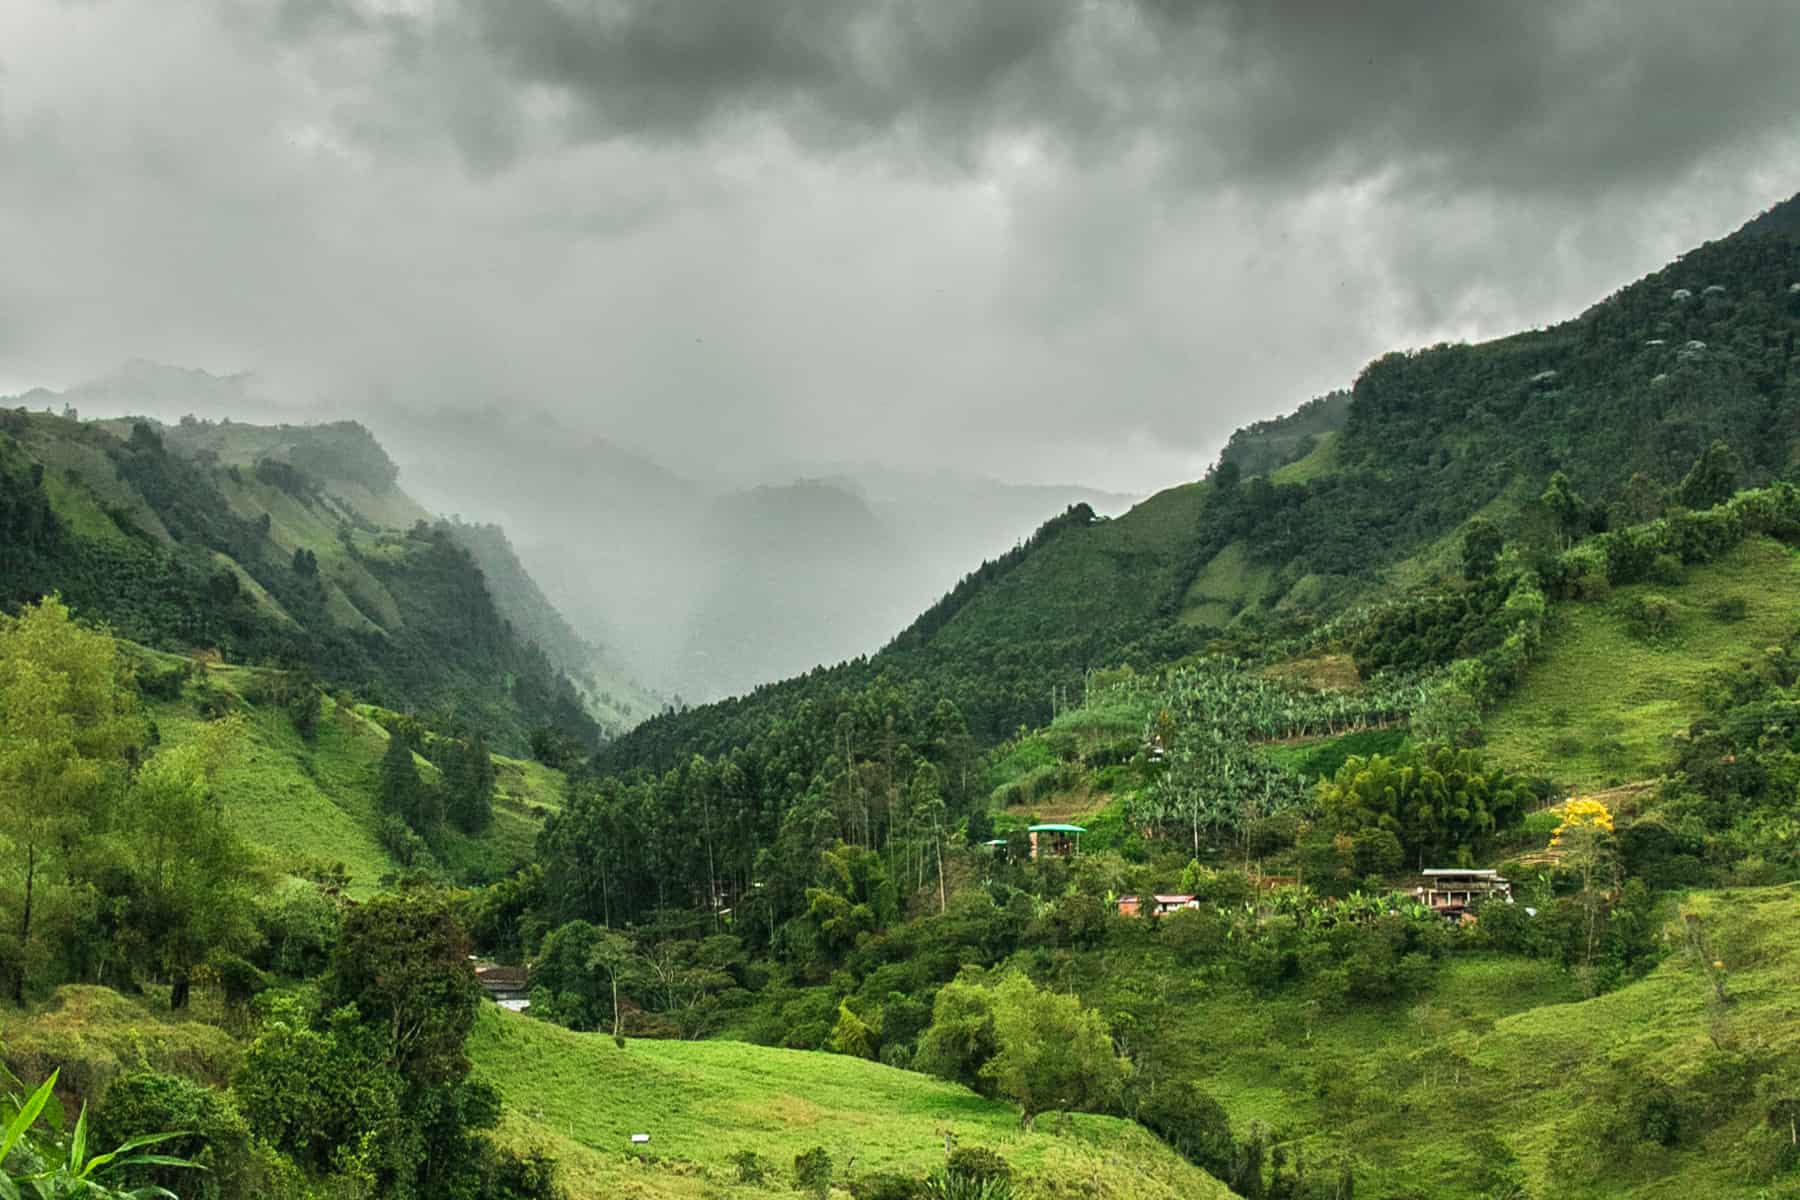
(704, 590)
(696, 590)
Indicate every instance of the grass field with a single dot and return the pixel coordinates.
(704, 1102)
(1321, 461)
(1227, 582)
(1601, 703)
(316, 800)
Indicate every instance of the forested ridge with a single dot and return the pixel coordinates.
(182, 551)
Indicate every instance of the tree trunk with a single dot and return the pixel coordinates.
(617, 1023)
(25, 924)
(943, 903)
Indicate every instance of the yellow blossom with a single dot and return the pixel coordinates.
(1584, 812)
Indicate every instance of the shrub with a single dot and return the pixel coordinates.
(214, 1134)
(1195, 935)
(164, 684)
(1651, 618)
(1665, 569)
(812, 1172)
(300, 926)
(1542, 823)
(750, 1168)
(887, 1186)
(944, 1186)
(978, 1163)
(1194, 1124)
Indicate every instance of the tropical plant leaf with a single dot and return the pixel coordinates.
(28, 1115)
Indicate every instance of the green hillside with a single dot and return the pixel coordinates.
(704, 1103)
(292, 546)
(1620, 677)
(313, 802)
(1501, 1079)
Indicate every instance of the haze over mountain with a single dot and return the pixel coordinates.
(700, 588)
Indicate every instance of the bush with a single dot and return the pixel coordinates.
(164, 684)
(750, 1168)
(1651, 618)
(812, 1172)
(1194, 935)
(1194, 1124)
(978, 1163)
(946, 1186)
(214, 1135)
(300, 927)
(1665, 569)
(887, 1186)
(1542, 823)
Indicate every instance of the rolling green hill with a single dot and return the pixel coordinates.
(292, 545)
(703, 1103)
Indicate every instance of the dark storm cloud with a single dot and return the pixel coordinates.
(1548, 95)
(1079, 238)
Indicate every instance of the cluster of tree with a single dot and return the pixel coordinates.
(357, 1086)
(1727, 812)
(929, 622)
(1263, 446)
(750, 830)
(418, 811)
(118, 865)
(1434, 803)
(114, 867)
(667, 978)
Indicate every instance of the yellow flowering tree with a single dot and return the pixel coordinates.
(1583, 814)
(1584, 841)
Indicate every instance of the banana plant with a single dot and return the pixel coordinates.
(47, 1170)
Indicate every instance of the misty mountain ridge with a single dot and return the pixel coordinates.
(1362, 496)
(655, 562)
(699, 589)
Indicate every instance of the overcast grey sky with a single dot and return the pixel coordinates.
(1073, 240)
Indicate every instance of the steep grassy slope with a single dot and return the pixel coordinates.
(704, 1102)
(1091, 578)
(313, 802)
(1618, 678)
